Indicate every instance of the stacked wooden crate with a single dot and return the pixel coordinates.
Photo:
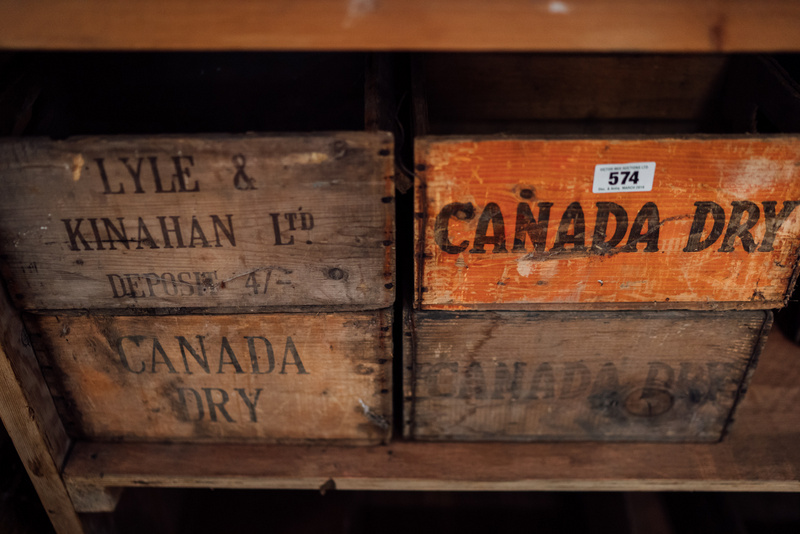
(610, 284)
(196, 287)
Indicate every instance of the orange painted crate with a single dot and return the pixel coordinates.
(615, 183)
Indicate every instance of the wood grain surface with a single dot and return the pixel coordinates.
(267, 378)
(241, 222)
(32, 421)
(638, 376)
(471, 94)
(758, 454)
(667, 25)
(513, 223)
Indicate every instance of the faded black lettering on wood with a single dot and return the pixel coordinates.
(222, 221)
(272, 377)
(652, 376)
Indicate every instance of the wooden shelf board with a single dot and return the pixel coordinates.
(574, 25)
(759, 454)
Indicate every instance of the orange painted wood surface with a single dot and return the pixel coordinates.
(666, 256)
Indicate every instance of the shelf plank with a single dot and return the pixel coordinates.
(760, 454)
(575, 25)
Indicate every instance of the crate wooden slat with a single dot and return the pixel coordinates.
(595, 376)
(676, 25)
(199, 222)
(298, 377)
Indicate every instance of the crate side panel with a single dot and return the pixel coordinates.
(214, 221)
(269, 378)
(652, 376)
(516, 223)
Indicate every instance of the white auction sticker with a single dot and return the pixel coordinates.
(624, 177)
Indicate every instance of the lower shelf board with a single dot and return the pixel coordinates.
(759, 454)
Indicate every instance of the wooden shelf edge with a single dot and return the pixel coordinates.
(445, 466)
(568, 25)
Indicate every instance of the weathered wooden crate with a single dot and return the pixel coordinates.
(580, 376)
(196, 220)
(269, 378)
(620, 182)
(181, 285)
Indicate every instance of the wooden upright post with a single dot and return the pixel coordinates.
(30, 417)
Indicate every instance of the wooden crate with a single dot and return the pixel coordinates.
(619, 182)
(194, 220)
(185, 222)
(269, 378)
(579, 376)
(148, 222)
